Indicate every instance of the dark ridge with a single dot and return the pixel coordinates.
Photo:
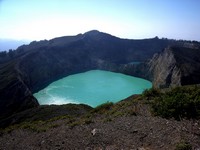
(34, 66)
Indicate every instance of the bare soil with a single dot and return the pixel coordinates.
(101, 132)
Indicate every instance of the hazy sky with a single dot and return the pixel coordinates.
(46, 19)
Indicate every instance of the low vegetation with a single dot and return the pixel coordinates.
(122, 108)
(178, 103)
(183, 146)
(102, 108)
(36, 126)
(72, 115)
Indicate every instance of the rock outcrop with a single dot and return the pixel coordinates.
(15, 96)
(175, 66)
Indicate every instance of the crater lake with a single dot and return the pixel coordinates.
(93, 88)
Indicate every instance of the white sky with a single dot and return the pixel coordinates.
(46, 19)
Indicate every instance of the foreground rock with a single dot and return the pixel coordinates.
(121, 133)
(104, 130)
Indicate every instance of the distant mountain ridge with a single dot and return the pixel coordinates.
(32, 67)
(7, 44)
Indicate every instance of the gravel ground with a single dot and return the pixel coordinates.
(126, 132)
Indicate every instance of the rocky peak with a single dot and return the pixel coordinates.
(97, 35)
(92, 32)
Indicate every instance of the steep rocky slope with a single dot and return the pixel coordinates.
(15, 96)
(175, 66)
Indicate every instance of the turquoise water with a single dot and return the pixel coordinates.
(93, 88)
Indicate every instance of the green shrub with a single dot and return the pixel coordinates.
(181, 102)
(59, 118)
(103, 108)
(183, 146)
(36, 126)
(151, 93)
(73, 124)
(87, 121)
(108, 119)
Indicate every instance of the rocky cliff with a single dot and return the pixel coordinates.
(32, 67)
(175, 66)
(15, 95)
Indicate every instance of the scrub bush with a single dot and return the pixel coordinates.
(183, 146)
(180, 102)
